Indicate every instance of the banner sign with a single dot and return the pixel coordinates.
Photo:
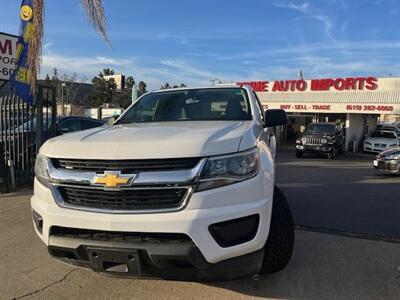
(20, 78)
(8, 55)
(314, 85)
(358, 108)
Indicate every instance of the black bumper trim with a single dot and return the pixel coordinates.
(172, 261)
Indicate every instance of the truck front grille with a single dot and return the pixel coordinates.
(126, 166)
(130, 199)
(313, 141)
(101, 235)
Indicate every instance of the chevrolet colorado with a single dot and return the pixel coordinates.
(181, 186)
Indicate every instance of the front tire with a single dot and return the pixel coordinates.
(332, 154)
(280, 243)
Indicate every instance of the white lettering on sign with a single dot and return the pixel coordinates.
(8, 47)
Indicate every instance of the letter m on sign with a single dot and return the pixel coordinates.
(6, 47)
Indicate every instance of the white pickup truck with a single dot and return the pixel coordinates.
(181, 186)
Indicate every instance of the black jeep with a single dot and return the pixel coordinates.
(326, 138)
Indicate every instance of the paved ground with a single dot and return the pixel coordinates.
(345, 194)
(323, 267)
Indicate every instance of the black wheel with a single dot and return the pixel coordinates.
(332, 154)
(279, 246)
(299, 153)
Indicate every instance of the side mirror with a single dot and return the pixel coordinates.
(62, 131)
(275, 117)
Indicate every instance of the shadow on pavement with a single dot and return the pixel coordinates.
(346, 195)
(330, 267)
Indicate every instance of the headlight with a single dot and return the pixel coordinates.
(393, 145)
(324, 141)
(223, 170)
(298, 141)
(41, 169)
(368, 143)
(395, 155)
(304, 140)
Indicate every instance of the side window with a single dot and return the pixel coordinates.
(87, 124)
(71, 125)
(260, 107)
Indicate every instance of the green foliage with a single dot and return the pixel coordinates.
(142, 88)
(104, 90)
(124, 98)
(168, 86)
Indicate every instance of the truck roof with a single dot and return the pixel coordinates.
(220, 86)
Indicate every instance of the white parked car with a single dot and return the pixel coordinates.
(381, 140)
(182, 186)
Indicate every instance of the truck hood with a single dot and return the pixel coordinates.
(150, 140)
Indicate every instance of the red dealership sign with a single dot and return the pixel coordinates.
(326, 84)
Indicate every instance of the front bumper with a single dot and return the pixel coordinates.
(323, 148)
(250, 197)
(373, 149)
(388, 166)
(179, 260)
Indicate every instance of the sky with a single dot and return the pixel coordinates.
(191, 42)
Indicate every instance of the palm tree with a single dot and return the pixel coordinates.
(95, 13)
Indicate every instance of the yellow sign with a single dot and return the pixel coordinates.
(26, 13)
(112, 179)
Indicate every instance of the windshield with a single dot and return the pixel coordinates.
(321, 128)
(383, 134)
(190, 105)
(397, 129)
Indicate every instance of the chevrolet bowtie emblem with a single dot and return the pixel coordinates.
(113, 179)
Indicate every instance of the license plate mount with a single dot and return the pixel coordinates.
(115, 261)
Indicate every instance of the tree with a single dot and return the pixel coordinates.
(168, 86)
(95, 13)
(55, 74)
(47, 79)
(124, 98)
(107, 72)
(165, 86)
(142, 88)
(104, 90)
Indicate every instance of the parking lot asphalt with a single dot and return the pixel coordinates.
(323, 267)
(346, 194)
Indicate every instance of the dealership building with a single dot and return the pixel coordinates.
(358, 103)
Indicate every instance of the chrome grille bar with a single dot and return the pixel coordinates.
(314, 141)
